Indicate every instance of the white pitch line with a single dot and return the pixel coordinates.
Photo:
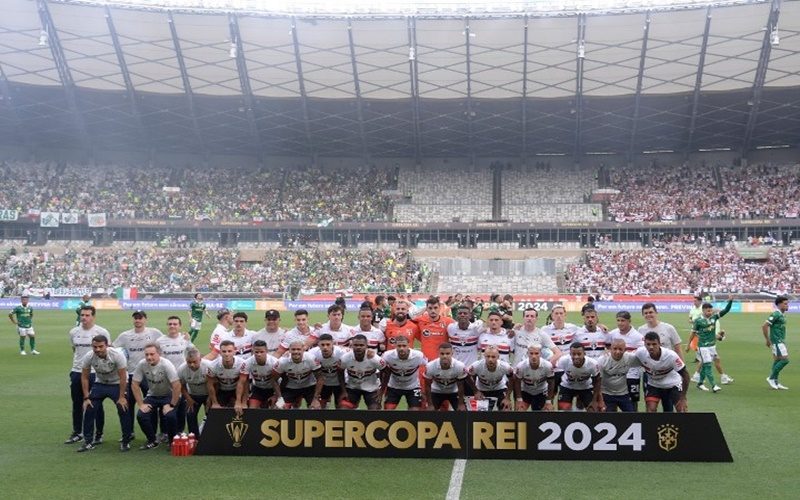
(456, 478)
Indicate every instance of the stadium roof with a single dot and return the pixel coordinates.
(489, 85)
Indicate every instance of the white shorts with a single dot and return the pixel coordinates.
(707, 354)
(779, 350)
(24, 332)
(195, 325)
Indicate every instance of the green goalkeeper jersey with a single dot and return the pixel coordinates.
(706, 327)
(777, 327)
(198, 308)
(24, 315)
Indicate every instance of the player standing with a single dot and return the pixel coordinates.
(589, 335)
(774, 330)
(375, 337)
(615, 368)
(329, 358)
(301, 331)
(224, 324)
(197, 309)
(226, 380)
(22, 317)
(667, 378)
(529, 334)
(705, 328)
(432, 328)
(399, 326)
(666, 332)
(465, 336)
(497, 336)
(264, 388)
(633, 340)
(299, 371)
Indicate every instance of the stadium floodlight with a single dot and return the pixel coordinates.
(232, 51)
(411, 54)
(43, 38)
(581, 49)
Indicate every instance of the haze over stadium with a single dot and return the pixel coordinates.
(271, 157)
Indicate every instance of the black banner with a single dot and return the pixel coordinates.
(665, 437)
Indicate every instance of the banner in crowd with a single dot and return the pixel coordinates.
(70, 217)
(659, 437)
(49, 219)
(8, 215)
(319, 305)
(96, 220)
(632, 307)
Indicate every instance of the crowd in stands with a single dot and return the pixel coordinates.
(664, 192)
(682, 268)
(244, 194)
(158, 270)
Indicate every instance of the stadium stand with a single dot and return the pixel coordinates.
(682, 268)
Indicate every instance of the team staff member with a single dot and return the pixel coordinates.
(85, 301)
(22, 317)
(109, 367)
(272, 331)
(81, 339)
(193, 374)
(164, 393)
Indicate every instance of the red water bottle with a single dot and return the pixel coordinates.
(175, 446)
(184, 445)
(192, 443)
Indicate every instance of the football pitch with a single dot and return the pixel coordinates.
(760, 425)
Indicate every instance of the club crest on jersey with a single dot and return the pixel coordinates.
(668, 437)
(426, 333)
(237, 428)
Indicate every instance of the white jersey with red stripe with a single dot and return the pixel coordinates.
(375, 336)
(524, 339)
(501, 340)
(445, 380)
(363, 374)
(577, 377)
(490, 380)
(466, 343)
(217, 335)
(341, 336)
(404, 372)
(261, 375)
(534, 380)
(633, 340)
(594, 343)
(293, 335)
(561, 337)
(243, 344)
(227, 377)
(330, 366)
(662, 373)
(298, 375)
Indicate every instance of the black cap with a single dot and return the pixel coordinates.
(272, 314)
(222, 312)
(140, 313)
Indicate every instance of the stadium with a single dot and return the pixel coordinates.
(277, 155)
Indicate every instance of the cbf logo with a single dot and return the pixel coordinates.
(667, 437)
(237, 428)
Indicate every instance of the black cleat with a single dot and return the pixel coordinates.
(86, 447)
(73, 438)
(149, 445)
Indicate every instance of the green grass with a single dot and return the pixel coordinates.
(761, 427)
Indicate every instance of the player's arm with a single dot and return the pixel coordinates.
(122, 401)
(190, 402)
(241, 392)
(211, 387)
(175, 385)
(427, 394)
(469, 381)
(689, 342)
(506, 403)
(461, 405)
(551, 393)
(682, 406)
(765, 331)
(316, 404)
(12, 318)
(276, 390)
(136, 388)
(516, 383)
(727, 308)
(597, 394)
